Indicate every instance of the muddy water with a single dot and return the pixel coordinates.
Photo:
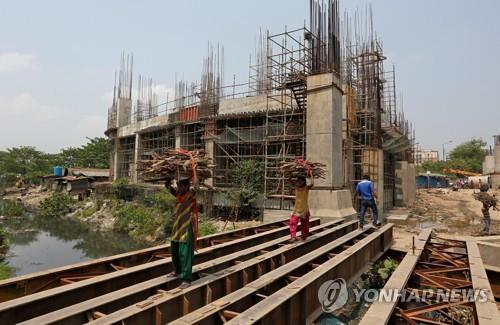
(38, 243)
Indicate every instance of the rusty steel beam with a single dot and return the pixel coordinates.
(345, 256)
(487, 311)
(175, 303)
(35, 282)
(380, 312)
(244, 261)
(297, 302)
(437, 264)
(44, 302)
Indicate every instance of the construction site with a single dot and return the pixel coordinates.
(323, 92)
(313, 92)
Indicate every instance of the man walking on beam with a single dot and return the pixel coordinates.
(365, 190)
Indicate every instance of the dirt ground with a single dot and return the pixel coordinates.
(448, 212)
(31, 196)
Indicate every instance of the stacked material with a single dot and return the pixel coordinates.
(176, 163)
(302, 168)
(486, 199)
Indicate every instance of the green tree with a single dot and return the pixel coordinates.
(68, 157)
(28, 162)
(248, 179)
(469, 155)
(95, 153)
(432, 166)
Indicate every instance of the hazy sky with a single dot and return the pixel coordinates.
(57, 59)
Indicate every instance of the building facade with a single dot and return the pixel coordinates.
(306, 97)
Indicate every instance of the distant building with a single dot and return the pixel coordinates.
(423, 155)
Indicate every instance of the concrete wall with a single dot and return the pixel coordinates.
(405, 184)
(246, 105)
(497, 159)
(489, 165)
(155, 122)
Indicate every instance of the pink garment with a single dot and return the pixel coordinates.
(304, 223)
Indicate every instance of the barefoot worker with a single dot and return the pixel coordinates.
(301, 208)
(184, 231)
(488, 202)
(300, 170)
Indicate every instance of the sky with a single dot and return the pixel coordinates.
(57, 59)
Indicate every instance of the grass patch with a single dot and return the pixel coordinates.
(206, 228)
(11, 208)
(88, 212)
(6, 271)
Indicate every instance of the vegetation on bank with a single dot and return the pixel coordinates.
(10, 208)
(151, 215)
(30, 163)
(58, 204)
(5, 270)
(148, 217)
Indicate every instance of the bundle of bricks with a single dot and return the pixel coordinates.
(302, 168)
(176, 164)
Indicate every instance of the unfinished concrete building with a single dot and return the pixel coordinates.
(315, 92)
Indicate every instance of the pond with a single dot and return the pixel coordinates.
(39, 243)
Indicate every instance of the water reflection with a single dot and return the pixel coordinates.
(38, 243)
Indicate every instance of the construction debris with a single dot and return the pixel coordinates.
(302, 168)
(176, 163)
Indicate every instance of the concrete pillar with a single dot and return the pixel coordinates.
(411, 188)
(123, 112)
(379, 183)
(210, 151)
(401, 176)
(324, 127)
(328, 199)
(136, 158)
(115, 159)
(178, 131)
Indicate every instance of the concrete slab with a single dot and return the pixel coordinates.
(330, 205)
(275, 215)
(398, 219)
